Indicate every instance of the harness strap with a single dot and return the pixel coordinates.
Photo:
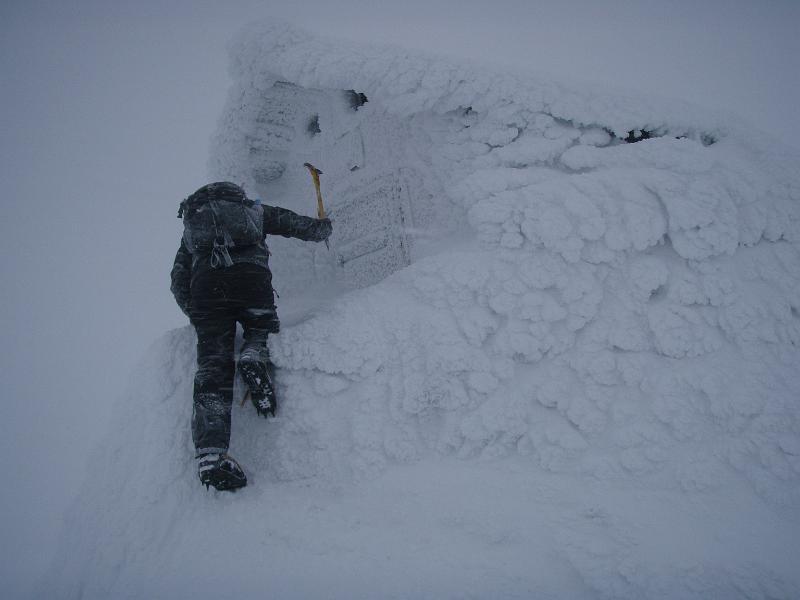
(219, 254)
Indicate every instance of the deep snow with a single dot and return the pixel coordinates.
(537, 360)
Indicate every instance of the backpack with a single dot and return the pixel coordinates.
(220, 216)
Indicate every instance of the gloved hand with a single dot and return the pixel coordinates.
(326, 228)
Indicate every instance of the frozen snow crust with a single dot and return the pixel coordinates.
(606, 333)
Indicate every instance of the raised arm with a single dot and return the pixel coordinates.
(282, 221)
(182, 278)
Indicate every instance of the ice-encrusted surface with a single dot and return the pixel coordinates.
(611, 329)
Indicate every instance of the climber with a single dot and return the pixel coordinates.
(220, 277)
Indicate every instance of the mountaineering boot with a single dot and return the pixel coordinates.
(255, 372)
(221, 471)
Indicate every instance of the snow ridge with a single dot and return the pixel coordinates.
(622, 315)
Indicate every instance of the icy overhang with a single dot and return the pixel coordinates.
(413, 146)
(409, 82)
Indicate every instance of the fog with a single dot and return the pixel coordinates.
(106, 116)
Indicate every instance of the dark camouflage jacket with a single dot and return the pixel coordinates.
(277, 221)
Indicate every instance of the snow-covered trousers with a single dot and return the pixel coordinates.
(219, 299)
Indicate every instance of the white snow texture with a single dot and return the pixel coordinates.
(587, 347)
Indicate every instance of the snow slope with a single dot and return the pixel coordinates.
(538, 360)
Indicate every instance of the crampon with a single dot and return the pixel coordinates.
(260, 388)
(220, 471)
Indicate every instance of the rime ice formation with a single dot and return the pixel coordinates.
(597, 295)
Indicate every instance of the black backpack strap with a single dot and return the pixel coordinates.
(220, 255)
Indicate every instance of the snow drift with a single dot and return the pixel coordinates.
(579, 306)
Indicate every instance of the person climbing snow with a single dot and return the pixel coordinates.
(220, 277)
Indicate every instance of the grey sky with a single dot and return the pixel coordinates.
(107, 108)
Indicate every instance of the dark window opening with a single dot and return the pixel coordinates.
(356, 99)
(637, 135)
(707, 139)
(313, 125)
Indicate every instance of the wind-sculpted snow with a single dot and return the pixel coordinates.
(623, 319)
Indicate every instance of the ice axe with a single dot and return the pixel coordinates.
(315, 173)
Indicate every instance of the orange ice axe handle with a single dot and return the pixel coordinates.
(315, 173)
